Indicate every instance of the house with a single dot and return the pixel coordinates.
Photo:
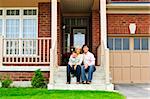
(38, 34)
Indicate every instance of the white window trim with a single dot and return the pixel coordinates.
(21, 17)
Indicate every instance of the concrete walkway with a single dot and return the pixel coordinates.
(134, 91)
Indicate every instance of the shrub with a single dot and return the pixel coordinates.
(6, 82)
(38, 80)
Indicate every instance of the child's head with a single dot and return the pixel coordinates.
(74, 54)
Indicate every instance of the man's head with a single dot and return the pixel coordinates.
(85, 48)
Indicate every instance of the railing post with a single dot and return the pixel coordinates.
(1, 50)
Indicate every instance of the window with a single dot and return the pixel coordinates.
(19, 24)
(136, 43)
(144, 43)
(13, 12)
(12, 28)
(110, 43)
(118, 43)
(29, 28)
(29, 12)
(1, 12)
(141, 43)
(0, 26)
(125, 43)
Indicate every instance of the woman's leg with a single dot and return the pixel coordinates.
(83, 75)
(78, 72)
(68, 73)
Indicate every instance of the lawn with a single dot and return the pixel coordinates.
(30, 93)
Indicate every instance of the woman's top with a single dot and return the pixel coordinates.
(76, 60)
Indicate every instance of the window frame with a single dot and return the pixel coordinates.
(141, 49)
(122, 44)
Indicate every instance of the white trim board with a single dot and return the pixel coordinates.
(24, 68)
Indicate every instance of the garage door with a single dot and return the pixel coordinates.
(131, 65)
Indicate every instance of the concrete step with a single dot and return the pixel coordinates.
(60, 76)
(98, 82)
(80, 87)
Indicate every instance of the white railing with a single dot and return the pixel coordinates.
(26, 51)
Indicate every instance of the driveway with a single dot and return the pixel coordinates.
(134, 91)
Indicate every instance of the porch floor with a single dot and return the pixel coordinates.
(98, 82)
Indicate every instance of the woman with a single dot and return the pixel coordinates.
(74, 65)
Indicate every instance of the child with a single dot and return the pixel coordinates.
(72, 61)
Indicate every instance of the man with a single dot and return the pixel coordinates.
(88, 67)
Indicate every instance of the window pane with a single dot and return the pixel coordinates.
(12, 28)
(13, 12)
(1, 12)
(29, 28)
(118, 44)
(144, 43)
(110, 43)
(125, 44)
(0, 26)
(29, 31)
(136, 43)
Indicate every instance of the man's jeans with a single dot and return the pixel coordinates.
(89, 70)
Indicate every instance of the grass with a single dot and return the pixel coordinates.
(31, 93)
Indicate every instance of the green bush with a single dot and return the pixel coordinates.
(38, 80)
(6, 82)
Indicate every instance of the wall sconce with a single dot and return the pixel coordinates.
(64, 27)
(132, 28)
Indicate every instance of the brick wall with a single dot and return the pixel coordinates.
(95, 31)
(119, 23)
(45, 24)
(44, 19)
(23, 76)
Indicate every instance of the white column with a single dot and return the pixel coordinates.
(103, 20)
(53, 22)
(53, 49)
(104, 49)
(1, 50)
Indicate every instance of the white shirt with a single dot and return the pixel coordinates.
(88, 58)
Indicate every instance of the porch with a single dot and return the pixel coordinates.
(42, 51)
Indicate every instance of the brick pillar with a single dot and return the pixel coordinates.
(95, 31)
(44, 24)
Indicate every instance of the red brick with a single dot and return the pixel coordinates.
(119, 23)
(22, 76)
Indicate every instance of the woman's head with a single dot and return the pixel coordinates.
(78, 50)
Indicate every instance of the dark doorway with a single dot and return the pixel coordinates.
(75, 34)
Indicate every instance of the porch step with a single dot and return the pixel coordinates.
(98, 82)
(81, 87)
